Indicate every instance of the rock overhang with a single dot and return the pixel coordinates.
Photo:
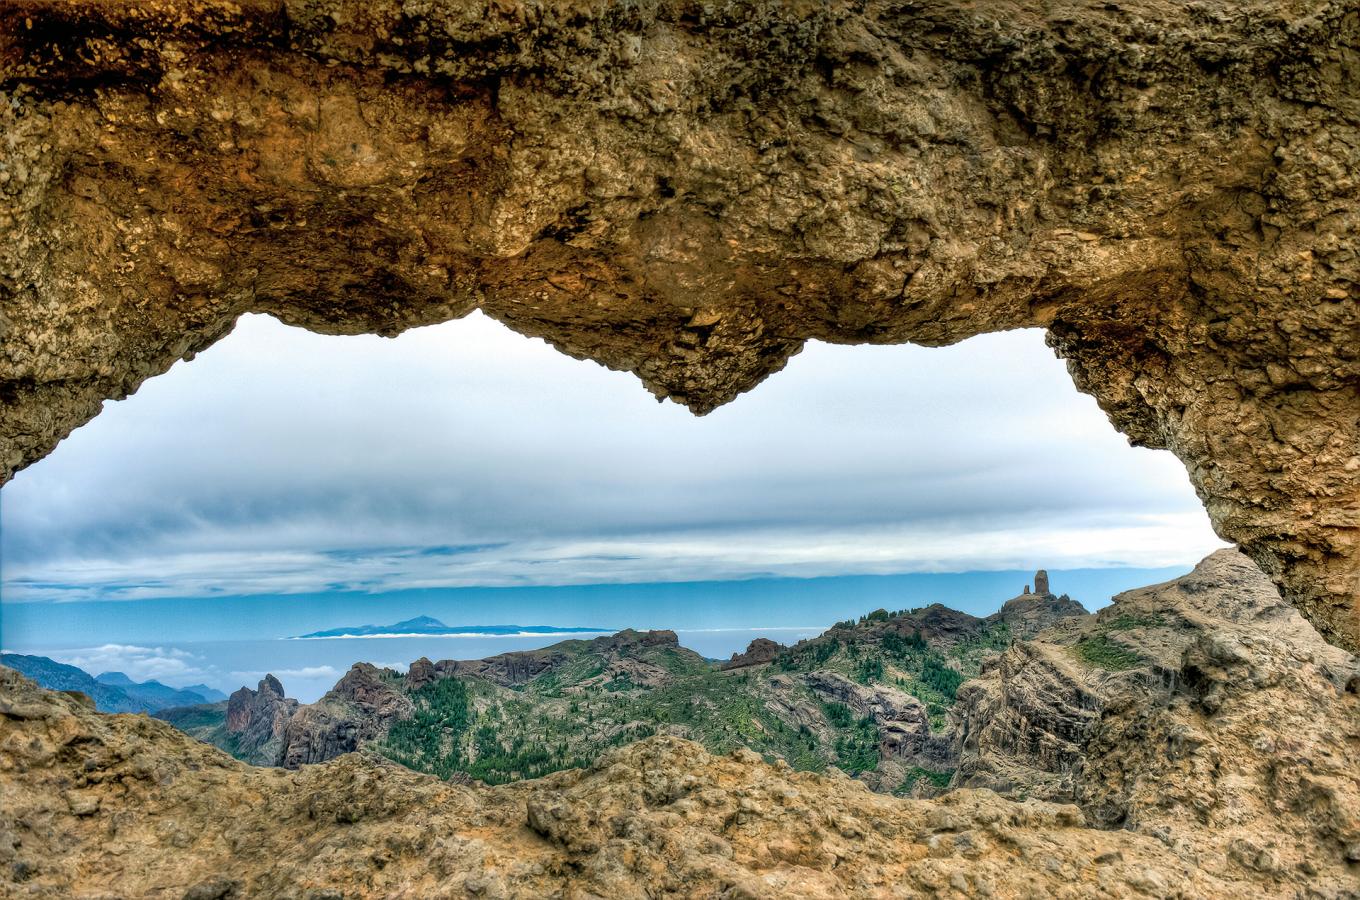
(689, 192)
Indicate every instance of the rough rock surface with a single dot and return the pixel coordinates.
(904, 725)
(1203, 711)
(267, 729)
(361, 706)
(689, 191)
(517, 667)
(757, 653)
(1033, 611)
(258, 720)
(97, 805)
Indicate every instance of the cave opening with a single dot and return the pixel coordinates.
(297, 482)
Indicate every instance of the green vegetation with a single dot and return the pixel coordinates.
(838, 714)
(592, 696)
(916, 773)
(430, 740)
(941, 677)
(857, 749)
(1099, 650)
(1127, 621)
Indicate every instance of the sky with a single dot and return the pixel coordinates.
(283, 463)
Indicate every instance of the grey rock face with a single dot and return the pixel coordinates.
(258, 720)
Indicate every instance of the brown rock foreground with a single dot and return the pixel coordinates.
(125, 806)
(1209, 738)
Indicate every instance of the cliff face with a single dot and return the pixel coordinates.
(257, 721)
(690, 192)
(1203, 711)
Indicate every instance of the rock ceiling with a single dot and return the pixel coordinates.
(689, 191)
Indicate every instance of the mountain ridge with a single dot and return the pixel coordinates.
(110, 691)
(869, 696)
(1197, 738)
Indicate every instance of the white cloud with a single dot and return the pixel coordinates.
(1008, 543)
(306, 672)
(282, 461)
(169, 665)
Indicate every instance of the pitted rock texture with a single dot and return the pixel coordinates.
(689, 191)
(757, 653)
(1203, 711)
(98, 805)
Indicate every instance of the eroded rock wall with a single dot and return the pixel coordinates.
(689, 191)
(1203, 711)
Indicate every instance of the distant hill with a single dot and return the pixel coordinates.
(154, 694)
(212, 695)
(112, 692)
(427, 625)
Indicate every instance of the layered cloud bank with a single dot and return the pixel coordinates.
(282, 461)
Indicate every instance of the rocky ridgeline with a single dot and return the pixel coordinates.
(264, 727)
(858, 697)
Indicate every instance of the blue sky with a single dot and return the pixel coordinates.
(284, 463)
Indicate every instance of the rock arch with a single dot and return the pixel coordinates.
(689, 191)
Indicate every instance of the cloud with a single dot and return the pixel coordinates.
(1061, 542)
(462, 454)
(165, 664)
(306, 672)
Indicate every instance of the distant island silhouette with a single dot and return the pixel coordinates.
(427, 626)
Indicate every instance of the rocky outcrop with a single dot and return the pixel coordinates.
(265, 728)
(902, 721)
(938, 624)
(361, 707)
(421, 673)
(365, 687)
(1203, 711)
(619, 654)
(690, 193)
(757, 653)
(1033, 611)
(1022, 727)
(257, 721)
(127, 806)
(879, 702)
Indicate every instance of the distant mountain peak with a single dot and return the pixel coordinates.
(420, 622)
(115, 678)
